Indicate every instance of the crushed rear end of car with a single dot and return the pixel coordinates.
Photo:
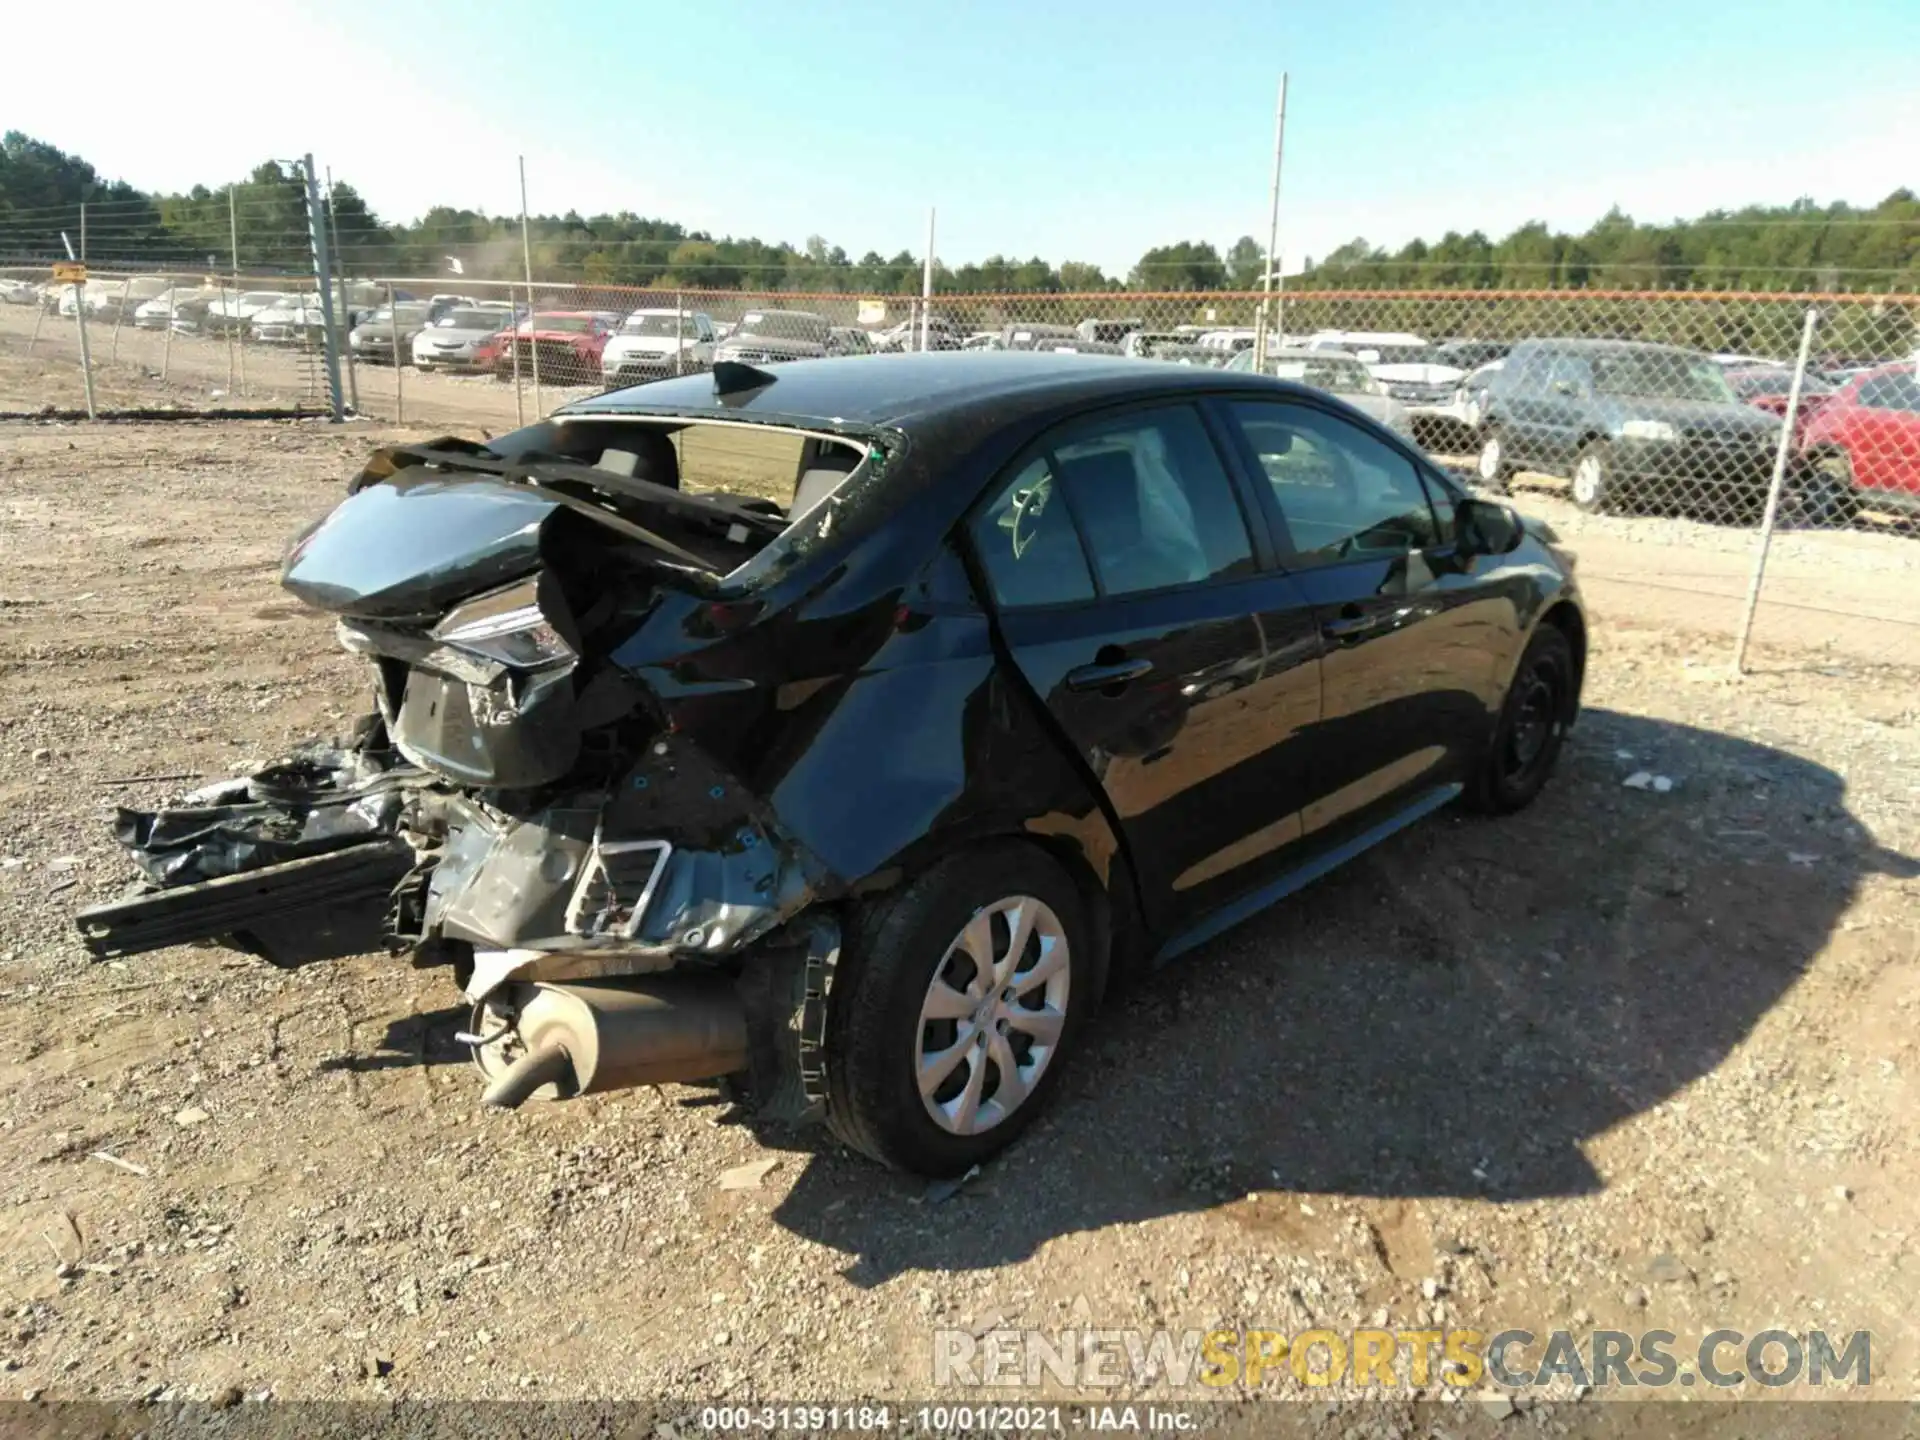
(527, 802)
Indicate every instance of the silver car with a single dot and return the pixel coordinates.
(449, 342)
(1337, 373)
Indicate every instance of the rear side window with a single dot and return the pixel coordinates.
(1154, 503)
(1027, 544)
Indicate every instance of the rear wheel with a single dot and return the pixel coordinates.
(1532, 727)
(1492, 466)
(1828, 495)
(1594, 487)
(957, 1000)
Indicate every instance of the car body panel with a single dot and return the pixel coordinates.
(1875, 419)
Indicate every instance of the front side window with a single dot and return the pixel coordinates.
(1344, 494)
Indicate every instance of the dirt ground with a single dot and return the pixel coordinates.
(1633, 1058)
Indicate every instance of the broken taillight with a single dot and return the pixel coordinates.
(507, 625)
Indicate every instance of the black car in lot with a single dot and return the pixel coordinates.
(1628, 424)
(1051, 668)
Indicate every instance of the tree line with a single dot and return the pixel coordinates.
(43, 189)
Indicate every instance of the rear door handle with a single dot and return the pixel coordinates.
(1108, 674)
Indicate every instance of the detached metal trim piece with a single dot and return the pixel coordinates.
(595, 871)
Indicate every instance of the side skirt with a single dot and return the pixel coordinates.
(1253, 903)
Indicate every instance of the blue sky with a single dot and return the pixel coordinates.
(1068, 129)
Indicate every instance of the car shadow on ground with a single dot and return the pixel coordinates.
(1455, 1014)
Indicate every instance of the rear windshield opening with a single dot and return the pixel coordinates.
(761, 477)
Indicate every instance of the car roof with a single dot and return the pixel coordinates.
(927, 388)
(1612, 347)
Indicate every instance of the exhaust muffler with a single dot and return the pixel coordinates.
(565, 1040)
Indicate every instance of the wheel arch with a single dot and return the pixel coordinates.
(1564, 616)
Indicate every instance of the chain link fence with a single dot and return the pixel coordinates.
(1652, 428)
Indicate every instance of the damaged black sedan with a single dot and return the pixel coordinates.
(840, 732)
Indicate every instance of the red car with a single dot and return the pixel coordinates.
(567, 343)
(1766, 387)
(1868, 437)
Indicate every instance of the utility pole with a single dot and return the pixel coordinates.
(1268, 323)
(323, 274)
(926, 287)
(526, 257)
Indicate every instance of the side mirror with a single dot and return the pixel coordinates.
(1485, 528)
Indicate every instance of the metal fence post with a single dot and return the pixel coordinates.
(393, 332)
(679, 324)
(526, 257)
(1262, 328)
(226, 323)
(86, 356)
(346, 310)
(119, 316)
(513, 349)
(1773, 492)
(323, 273)
(39, 318)
(166, 343)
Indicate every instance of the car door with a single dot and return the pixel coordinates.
(1885, 443)
(1128, 595)
(1413, 638)
(1561, 403)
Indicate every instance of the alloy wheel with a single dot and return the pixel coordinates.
(993, 1015)
(1490, 458)
(1587, 480)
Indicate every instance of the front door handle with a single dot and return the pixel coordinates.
(1107, 675)
(1351, 623)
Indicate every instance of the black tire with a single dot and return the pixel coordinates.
(892, 950)
(1532, 727)
(1494, 470)
(1596, 489)
(1827, 495)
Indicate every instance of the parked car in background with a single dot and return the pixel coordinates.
(984, 340)
(1628, 423)
(452, 342)
(769, 337)
(1864, 443)
(1031, 337)
(1468, 355)
(848, 340)
(118, 299)
(1769, 386)
(1333, 372)
(1454, 428)
(389, 332)
(157, 313)
(561, 347)
(18, 292)
(233, 312)
(298, 322)
(1036, 676)
(941, 334)
(1107, 332)
(188, 313)
(652, 344)
(1228, 342)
